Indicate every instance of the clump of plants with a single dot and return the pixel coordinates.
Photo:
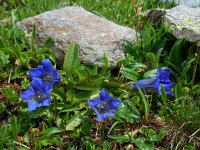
(151, 101)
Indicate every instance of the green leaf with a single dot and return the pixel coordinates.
(190, 146)
(44, 142)
(87, 94)
(145, 103)
(153, 136)
(111, 84)
(186, 67)
(135, 100)
(144, 144)
(128, 111)
(130, 48)
(2, 44)
(69, 108)
(178, 92)
(70, 58)
(164, 95)
(51, 131)
(163, 132)
(2, 108)
(37, 146)
(82, 73)
(38, 112)
(150, 56)
(10, 94)
(87, 125)
(14, 126)
(130, 74)
(48, 43)
(59, 93)
(105, 63)
(185, 91)
(156, 60)
(106, 145)
(150, 73)
(4, 136)
(175, 53)
(139, 65)
(113, 125)
(144, 129)
(120, 138)
(85, 86)
(196, 89)
(13, 18)
(73, 123)
(33, 38)
(26, 138)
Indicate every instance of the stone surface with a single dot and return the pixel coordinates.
(93, 34)
(189, 3)
(182, 21)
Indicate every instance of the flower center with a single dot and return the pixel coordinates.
(103, 106)
(47, 78)
(39, 97)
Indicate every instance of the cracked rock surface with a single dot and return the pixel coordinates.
(93, 34)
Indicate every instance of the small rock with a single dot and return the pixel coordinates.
(159, 122)
(189, 3)
(182, 21)
(5, 21)
(93, 34)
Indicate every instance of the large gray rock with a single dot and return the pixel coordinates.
(181, 20)
(93, 34)
(189, 3)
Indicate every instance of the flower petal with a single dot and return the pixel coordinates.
(56, 76)
(46, 102)
(104, 94)
(148, 81)
(36, 72)
(99, 117)
(36, 82)
(46, 63)
(32, 105)
(49, 87)
(163, 74)
(168, 90)
(93, 103)
(105, 115)
(111, 113)
(26, 94)
(103, 105)
(114, 104)
(148, 84)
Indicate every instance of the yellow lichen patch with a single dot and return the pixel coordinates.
(179, 27)
(187, 23)
(172, 27)
(190, 21)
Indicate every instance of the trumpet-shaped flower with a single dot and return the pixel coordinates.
(104, 106)
(154, 83)
(36, 95)
(46, 73)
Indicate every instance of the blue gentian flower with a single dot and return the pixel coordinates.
(46, 73)
(154, 83)
(104, 106)
(36, 95)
